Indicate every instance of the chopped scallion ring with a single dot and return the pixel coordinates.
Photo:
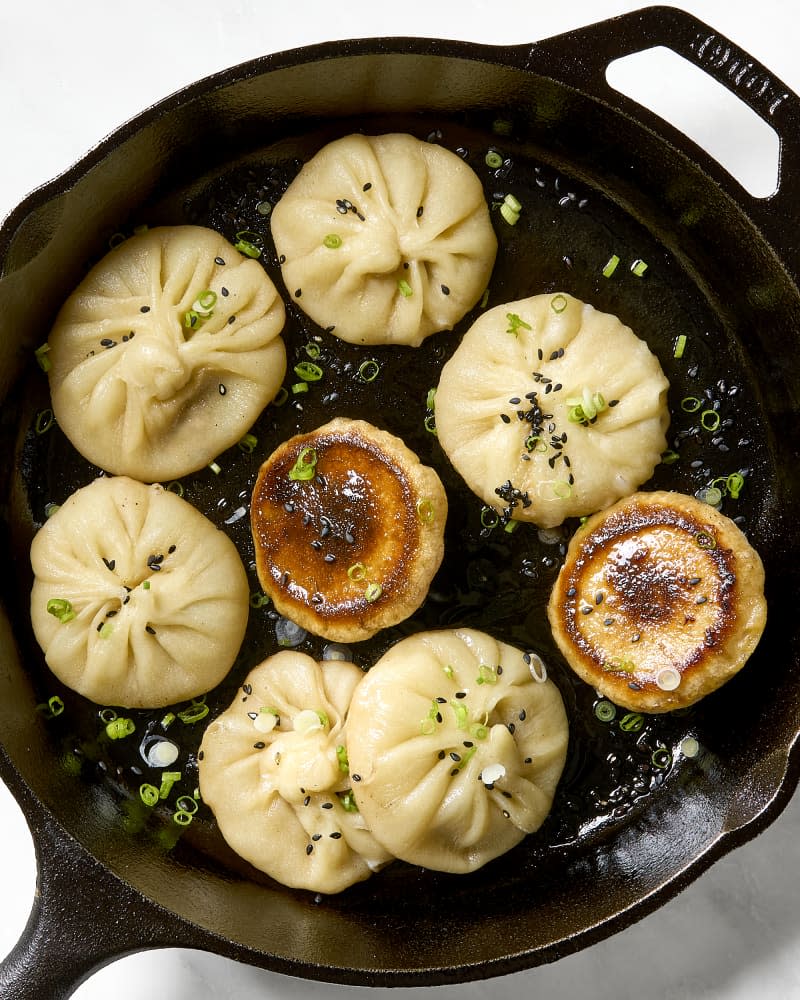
(305, 466)
(60, 608)
(168, 779)
(247, 249)
(175, 487)
(357, 572)
(204, 303)
(711, 495)
(44, 421)
(535, 443)
(486, 674)
(493, 159)
(373, 592)
(264, 208)
(513, 203)
(669, 457)
(430, 399)
(194, 713)
(299, 387)
(735, 484)
(511, 527)
(430, 425)
(308, 371)
(489, 518)
(148, 794)
(710, 420)
(427, 727)
(332, 241)
(341, 757)
(559, 303)
(248, 443)
(182, 818)
(705, 540)
(605, 711)
(280, 396)
(119, 728)
(478, 730)
(215, 468)
(404, 288)
(461, 714)
(42, 359)
(348, 801)
(611, 266)
(511, 217)
(313, 350)
(680, 346)
(515, 324)
(638, 267)
(258, 599)
(562, 490)
(661, 758)
(668, 679)
(369, 370)
(631, 723)
(187, 804)
(690, 404)
(52, 708)
(426, 512)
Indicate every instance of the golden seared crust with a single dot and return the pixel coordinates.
(659, 602)
(352, 549)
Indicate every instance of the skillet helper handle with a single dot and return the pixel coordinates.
(583, 56)
(83, 918)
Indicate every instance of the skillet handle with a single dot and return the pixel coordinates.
(581, 58)
(83, 918)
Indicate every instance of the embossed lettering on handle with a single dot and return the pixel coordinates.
(724, 60)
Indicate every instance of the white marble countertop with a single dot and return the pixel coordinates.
(69, 74)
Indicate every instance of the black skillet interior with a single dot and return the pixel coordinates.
(635, 817)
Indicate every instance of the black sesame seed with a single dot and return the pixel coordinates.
(145, 309)
(201, 755)
(220, 261)
(598, 597)
(499, 670)
(587, 609)
(247, 688)
(512, 728)
(222, 389)
(107, 342)
(461, 694)
(614, 402)
(441, 701)
(309, 848)
(224, 292)
(367, 186)
(608, 621)
(150, 629)
(335, 835)
(636, 637)
(327, 805)
(441, 755)
(701, 600)
(356, 777)
(329, 557)
(507, 795)
(506, 815)
(231, 320)
(528, 760)
(259, 746)
(505, 418)
(540, 353)
(348, 537)
(454, 772)
(307, 800)
(571, 592)
(110, 563)
(282, 258)
(316, 836)
(454, 756)
(694, 581)
(523, 715)
(419, 211)
(298, 292)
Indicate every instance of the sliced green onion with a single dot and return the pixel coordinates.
(689, 746)
(430, 399)
(466, 756)
(107, 715)
(493, 159)
(489, 518)
(605, 711)
(194, 713)
(461, 714)
(426, 512)
(710, 495)
(42, 359)
(632, 722)
(486, 674)
(430, 425)
(535, 443)
(559, 303)
(710, 420)
(191, 319)
(619, 665)
(341, 757)
(669, 457)
(204, 303)
(60, 608)
(373, 592)
(115, 240)
(332, 241)
(280, 396)
(735, 484)
(313, 350)
(308, 371)
(484, 299)
(263, 207)
(404, 288)
(690, 404)
(611, 266)
(348, 801)
(187, 804)
(705, 540)
(249, 243)
(448, 671)
(106, 630)
(175, 487)
(299, 387)
(145, 584)
(427, 727)
(661, 758)
(357, 572)
(52, 708)
(562, 489)
(511, 217)
(119, 728)
(168, 719)
(182, 818)
(511, 527)
(638, 267)
(248, 443)
(258, 599)
(51, 508)
(680, 346)
(368, 370)
(168, 779)
(305, 466)
(148, 794)
(515, 324)
(44, 421)
(513, 203)
(478, 730)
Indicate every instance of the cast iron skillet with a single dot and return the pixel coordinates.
(635, 820)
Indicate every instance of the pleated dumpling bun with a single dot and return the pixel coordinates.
(273, 770)
(456, 744)
(138, 599)
(166, 353)
(550, 409)
(385, 239)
